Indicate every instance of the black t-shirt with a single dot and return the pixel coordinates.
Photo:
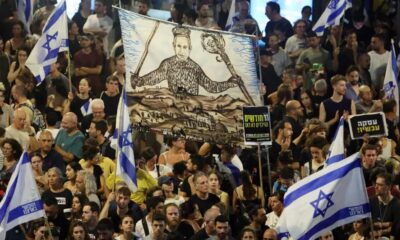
(386, 213)
(134, 211)
(64, 198)
(204, 205)
(185, 187)
(185, 229)
(111, 102)
(200, 235)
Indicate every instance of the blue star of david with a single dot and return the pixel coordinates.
(49, 38)
(124, 137)
(333, 4)
(321, 200)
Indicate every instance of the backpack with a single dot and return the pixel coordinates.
(38, 122)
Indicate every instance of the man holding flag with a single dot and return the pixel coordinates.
(332, 15)
(54, 39)
(17, 208)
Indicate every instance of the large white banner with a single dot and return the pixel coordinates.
(188, 78)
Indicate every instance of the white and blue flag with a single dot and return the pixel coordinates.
(25, 12)
(332, 197)
(332, 15)
(390, 84)
(231, 14)
(21, 202)
(125, 156)
(336, 150)
(54, 39)
(86, 108)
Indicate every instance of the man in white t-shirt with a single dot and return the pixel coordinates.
(100, 24)
(379, 58)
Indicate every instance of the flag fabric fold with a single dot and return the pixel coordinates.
(21, 202)
(332, 15)
(336, 150)
(86, 108)
(390, 83)
(231, 14)
(325, 200)
(125, 155)
(54, 40)
(25, 12)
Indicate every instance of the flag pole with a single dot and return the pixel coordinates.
(69, 70)
(46, 221)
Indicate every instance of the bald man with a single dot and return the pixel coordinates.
(270, 234)
(366, 104)
(208, 229)
(69, 140)
(21, 131)
(294, 113)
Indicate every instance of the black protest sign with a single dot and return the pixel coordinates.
(373, 124)
(257, 125)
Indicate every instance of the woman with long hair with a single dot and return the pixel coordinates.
(17, 40)
(70, 171)
(82, 14)
(175, 153)
(37, 167)
(78, 231)
(75, 102)
(316, 145)
(78, 201)
(6, 112)
(127, 228)
(18, 66)
(214, 179)
(90, 163)
(247, 194)
(12, 151)
(310, 109)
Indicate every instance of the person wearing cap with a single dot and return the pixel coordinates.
(167, 185)
(88, 64)
(99, 24)
(151, 166)
(184, 75)
(313, 54)
(269, 77)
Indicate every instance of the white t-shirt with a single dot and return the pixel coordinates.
(93, 22)
(139, 230)
(377, 68)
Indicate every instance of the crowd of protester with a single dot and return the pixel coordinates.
(194, 190)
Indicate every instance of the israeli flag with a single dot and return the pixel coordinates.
(390, 84)
(232, 12)
(332, 197)
(332, 15)
(336, 150)
(25, 12)
(86, 108)
(125, 156)
(54, 39)
(21, 202)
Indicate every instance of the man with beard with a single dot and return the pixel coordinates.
(118, 205)
(385, 209)
(174, 223)
(142, 7)
(54, 215)
(203, 20)
(209, 228)
(222, 229)
(90, 218)
(352, 85)
(258, 218)
(194, 164)
(379, 58)
(294, 115)
(345, 56)
(338, 105)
